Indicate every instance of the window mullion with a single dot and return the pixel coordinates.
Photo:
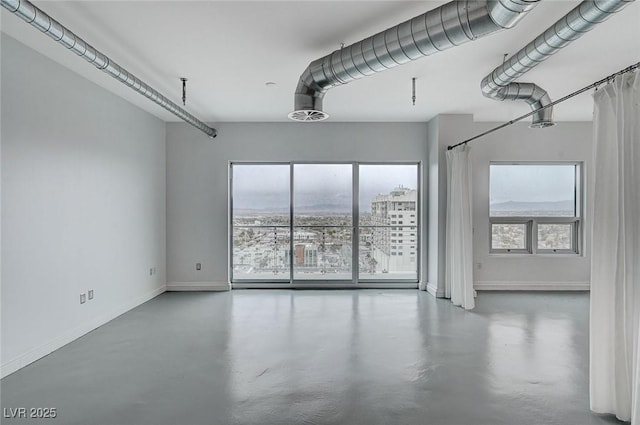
(291, 229)
(533, 236)
(355, 232)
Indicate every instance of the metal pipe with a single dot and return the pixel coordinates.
(500, 85)
(31, 14)
(450, 25)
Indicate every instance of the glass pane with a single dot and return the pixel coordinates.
(555, 236)
(388, 252)
(322, 194)
(388, 217)
(533, 190)
(508, 236)
(261, 252)
(388, 194)
(260, 194)
(322, 253)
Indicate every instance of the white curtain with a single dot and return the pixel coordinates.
(459, 238)
(615, 261)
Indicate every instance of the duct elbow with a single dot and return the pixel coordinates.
(308, 102)
(489, 88)
(543, 116)
(540, 102)
(507, 13)
(535, 96)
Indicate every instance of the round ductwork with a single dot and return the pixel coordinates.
(444, 27)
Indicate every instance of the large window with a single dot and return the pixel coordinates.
(322, 221)
(388, 221)
(260, 217)
(309, 222)
(535, 208)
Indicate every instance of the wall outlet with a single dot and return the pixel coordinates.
(151, 271)
(198, 266)
(478, 266)
(83, 298)
(90, 294)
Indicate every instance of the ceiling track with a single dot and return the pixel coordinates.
(34, 16)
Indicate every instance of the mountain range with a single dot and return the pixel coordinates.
(564, 207)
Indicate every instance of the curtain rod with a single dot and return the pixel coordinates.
(569, 96)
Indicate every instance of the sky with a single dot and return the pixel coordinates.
(328, 185)
(532, 183)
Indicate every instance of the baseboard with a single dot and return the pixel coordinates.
(531, 286)
(433, 290)
(49, 347)
(197, 286)
(325, 285)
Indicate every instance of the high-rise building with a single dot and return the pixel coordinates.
(395, 241)
(306, 255)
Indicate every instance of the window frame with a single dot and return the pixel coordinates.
(356, 281)
(511, 220)
(532, 222)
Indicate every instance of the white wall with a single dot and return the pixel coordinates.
(197, 179)
(83, 197)
(197, 189)
(564, 142)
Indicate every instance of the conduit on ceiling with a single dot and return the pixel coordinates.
(447, 26)
(34, 16)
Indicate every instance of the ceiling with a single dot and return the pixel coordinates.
(228, 50)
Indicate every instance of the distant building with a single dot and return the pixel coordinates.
(306, 255)
(394, 246)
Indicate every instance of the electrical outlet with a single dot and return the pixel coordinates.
(83, 298)
(198, 266)
(151, 271)
(90, 294)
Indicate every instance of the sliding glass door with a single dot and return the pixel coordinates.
(261, 222)
(322, 221)
(337, 224)
(389, 238)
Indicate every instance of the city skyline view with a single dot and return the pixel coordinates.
(320, 244)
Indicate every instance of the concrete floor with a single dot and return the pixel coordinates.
(322, 357)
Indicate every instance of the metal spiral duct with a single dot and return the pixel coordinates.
(500, 83)
(45, 23)
(450, 25)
